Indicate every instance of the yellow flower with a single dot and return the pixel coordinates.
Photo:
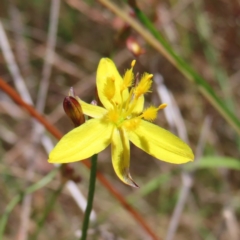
(121, 119)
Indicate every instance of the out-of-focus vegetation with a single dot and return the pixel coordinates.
(203, 33)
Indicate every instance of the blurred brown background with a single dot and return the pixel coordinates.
(57, 45)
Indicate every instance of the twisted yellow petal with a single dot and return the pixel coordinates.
(121, 156)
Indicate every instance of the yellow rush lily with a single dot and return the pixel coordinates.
(122, 118)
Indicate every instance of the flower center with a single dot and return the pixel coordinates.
(129, 111)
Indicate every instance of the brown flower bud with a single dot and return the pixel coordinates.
(73, 109)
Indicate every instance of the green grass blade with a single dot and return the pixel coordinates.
(156, 40)
(189, 73)
(214, 162)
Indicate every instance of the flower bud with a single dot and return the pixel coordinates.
(73, 109)
(134, 46)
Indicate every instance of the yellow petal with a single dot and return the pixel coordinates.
(121, 156)
(107, 69)
(92, 110)
(82, 142)
(160, 143)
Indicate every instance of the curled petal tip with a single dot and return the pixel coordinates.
(129, 181)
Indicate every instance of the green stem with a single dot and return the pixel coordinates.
(91, 191)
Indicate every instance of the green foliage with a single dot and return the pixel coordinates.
(214, 162)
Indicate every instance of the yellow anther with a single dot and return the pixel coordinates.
(128, 77)
(150, 76)
(144, 85)
(150, 113)
(133, 63)
(162, 106)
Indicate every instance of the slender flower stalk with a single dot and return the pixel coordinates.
(121, 119)
(14, 95)
(74, 111)
(91, 191)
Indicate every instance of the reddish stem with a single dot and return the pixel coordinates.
(55, 132)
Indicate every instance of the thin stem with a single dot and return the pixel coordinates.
(26, 97)
(55, 132)
(91, 192)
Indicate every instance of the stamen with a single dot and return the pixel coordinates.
(162, 106)
(133, 63)
(128, 77)
(130, 96)
(130, 103)
(150, 113)
(144, 85)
